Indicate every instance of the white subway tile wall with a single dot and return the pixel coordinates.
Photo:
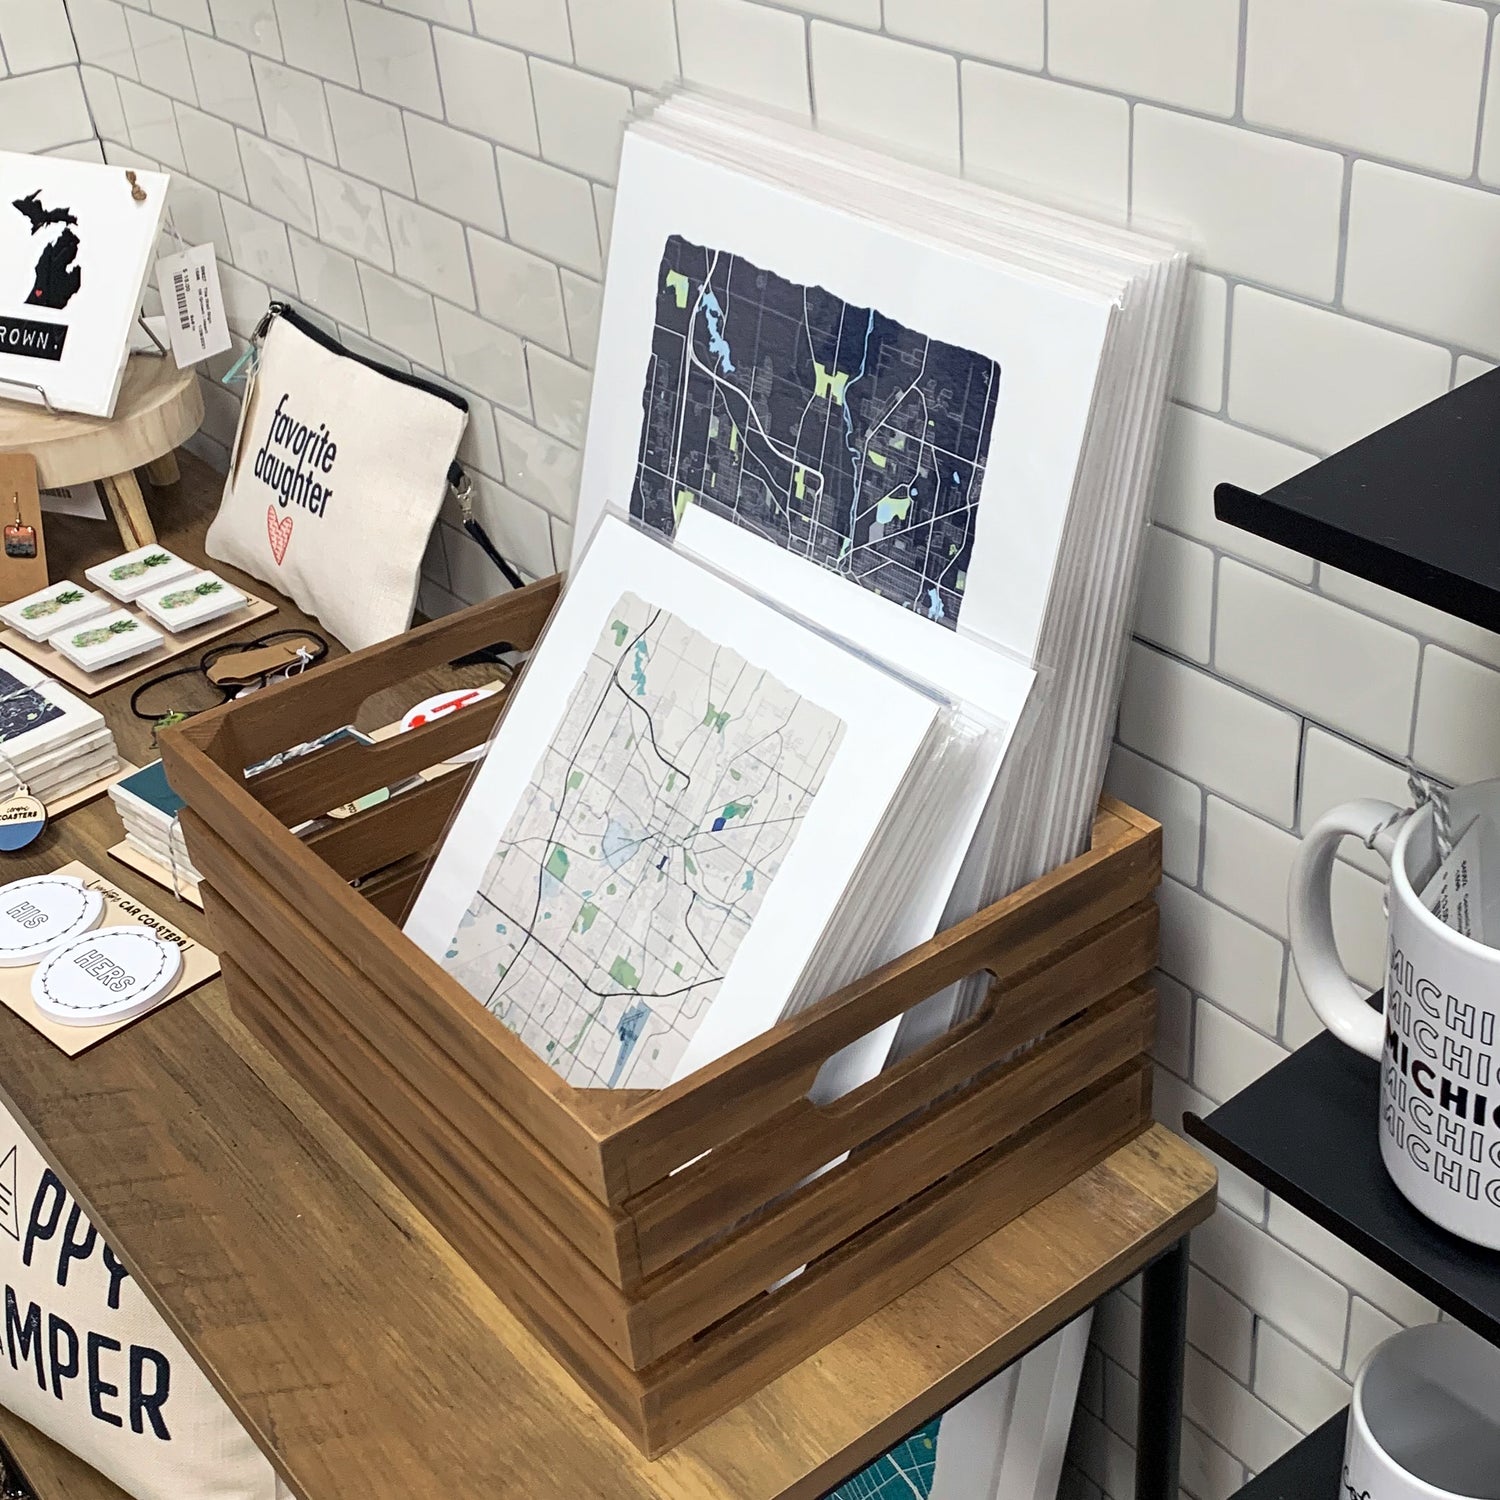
(434, 180)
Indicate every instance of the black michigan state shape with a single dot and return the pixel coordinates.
(57, 277)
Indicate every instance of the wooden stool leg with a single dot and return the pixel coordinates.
(163, 471)
(128, 506)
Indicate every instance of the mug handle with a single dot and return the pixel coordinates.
(1338, 1000)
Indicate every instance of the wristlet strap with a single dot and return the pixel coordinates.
(463, 491)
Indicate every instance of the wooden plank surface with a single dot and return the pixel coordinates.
(373, 1364)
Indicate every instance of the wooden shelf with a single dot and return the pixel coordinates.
(1307, 1131)
(1309, 1472)
(1410, 507)
(372, 1364)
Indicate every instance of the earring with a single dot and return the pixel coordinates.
(20, 539)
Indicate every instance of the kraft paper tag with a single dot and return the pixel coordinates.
(194, 304)
(1455, 894)
(198, 964)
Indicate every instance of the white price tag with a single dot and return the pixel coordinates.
(1455, 894)
(193, 304)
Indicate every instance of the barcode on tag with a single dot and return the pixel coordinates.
(194, 304)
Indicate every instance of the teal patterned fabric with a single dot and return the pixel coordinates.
(905, 1473)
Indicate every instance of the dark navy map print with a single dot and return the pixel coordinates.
(830, 429)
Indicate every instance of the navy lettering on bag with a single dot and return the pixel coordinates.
(62, 1368)
(139, 1376)
(144, 1403)
(98, 1386)
(23, 1341)
(293, 457)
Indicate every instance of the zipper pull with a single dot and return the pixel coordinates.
(245, 366)
(273, 312)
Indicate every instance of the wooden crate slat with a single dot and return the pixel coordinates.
(240, 733)
(670, 1216)
(767, 1074)
(380, 836)
(603, 1236)
(308, 788)
(660, 1405)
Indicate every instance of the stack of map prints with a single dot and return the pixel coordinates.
(924, 415)
(942, 398)
(697, 815)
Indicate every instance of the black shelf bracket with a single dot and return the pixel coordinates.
(1414, 507)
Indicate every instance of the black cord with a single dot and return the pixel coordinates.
(156, 682)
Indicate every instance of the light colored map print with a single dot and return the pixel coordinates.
(641, 850)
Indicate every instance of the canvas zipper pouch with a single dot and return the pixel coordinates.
(88, 1360)
(339, 471)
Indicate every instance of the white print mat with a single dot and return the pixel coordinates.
(199, 965)
(772, 254)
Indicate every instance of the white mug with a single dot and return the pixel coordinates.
(1437, 1038)
(1424, 1423)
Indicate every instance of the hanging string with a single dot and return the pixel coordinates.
(22, 790)
(1425, 790)
(173, 834)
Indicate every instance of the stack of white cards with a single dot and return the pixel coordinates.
(945, 397)
(148, 807)
(132, 574)
(191, 600)
(58, 607)
(106, 640)
(51, 741)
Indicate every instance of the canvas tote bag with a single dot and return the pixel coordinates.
(339, 471)
(87, 1360)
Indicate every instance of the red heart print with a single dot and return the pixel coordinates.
(279, 531)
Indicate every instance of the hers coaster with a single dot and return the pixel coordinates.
(49, 610)
(42, 913)
(192, 600)
(135, 573)
(111, 975)
(103, 642)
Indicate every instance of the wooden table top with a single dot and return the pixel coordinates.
(369, 1360)
(159, 408)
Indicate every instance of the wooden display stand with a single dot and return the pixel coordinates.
(646, 1237)
(159, 408)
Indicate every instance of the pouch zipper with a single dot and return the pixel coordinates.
(311, 330)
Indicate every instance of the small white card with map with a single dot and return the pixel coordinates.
(684, 789)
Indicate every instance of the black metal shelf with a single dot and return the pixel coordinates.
(1412, 507)
(1309, 1472)
(1307, 1131)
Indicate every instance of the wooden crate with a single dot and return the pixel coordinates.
(646, 1237)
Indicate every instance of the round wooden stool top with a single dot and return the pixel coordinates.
(159, 408)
